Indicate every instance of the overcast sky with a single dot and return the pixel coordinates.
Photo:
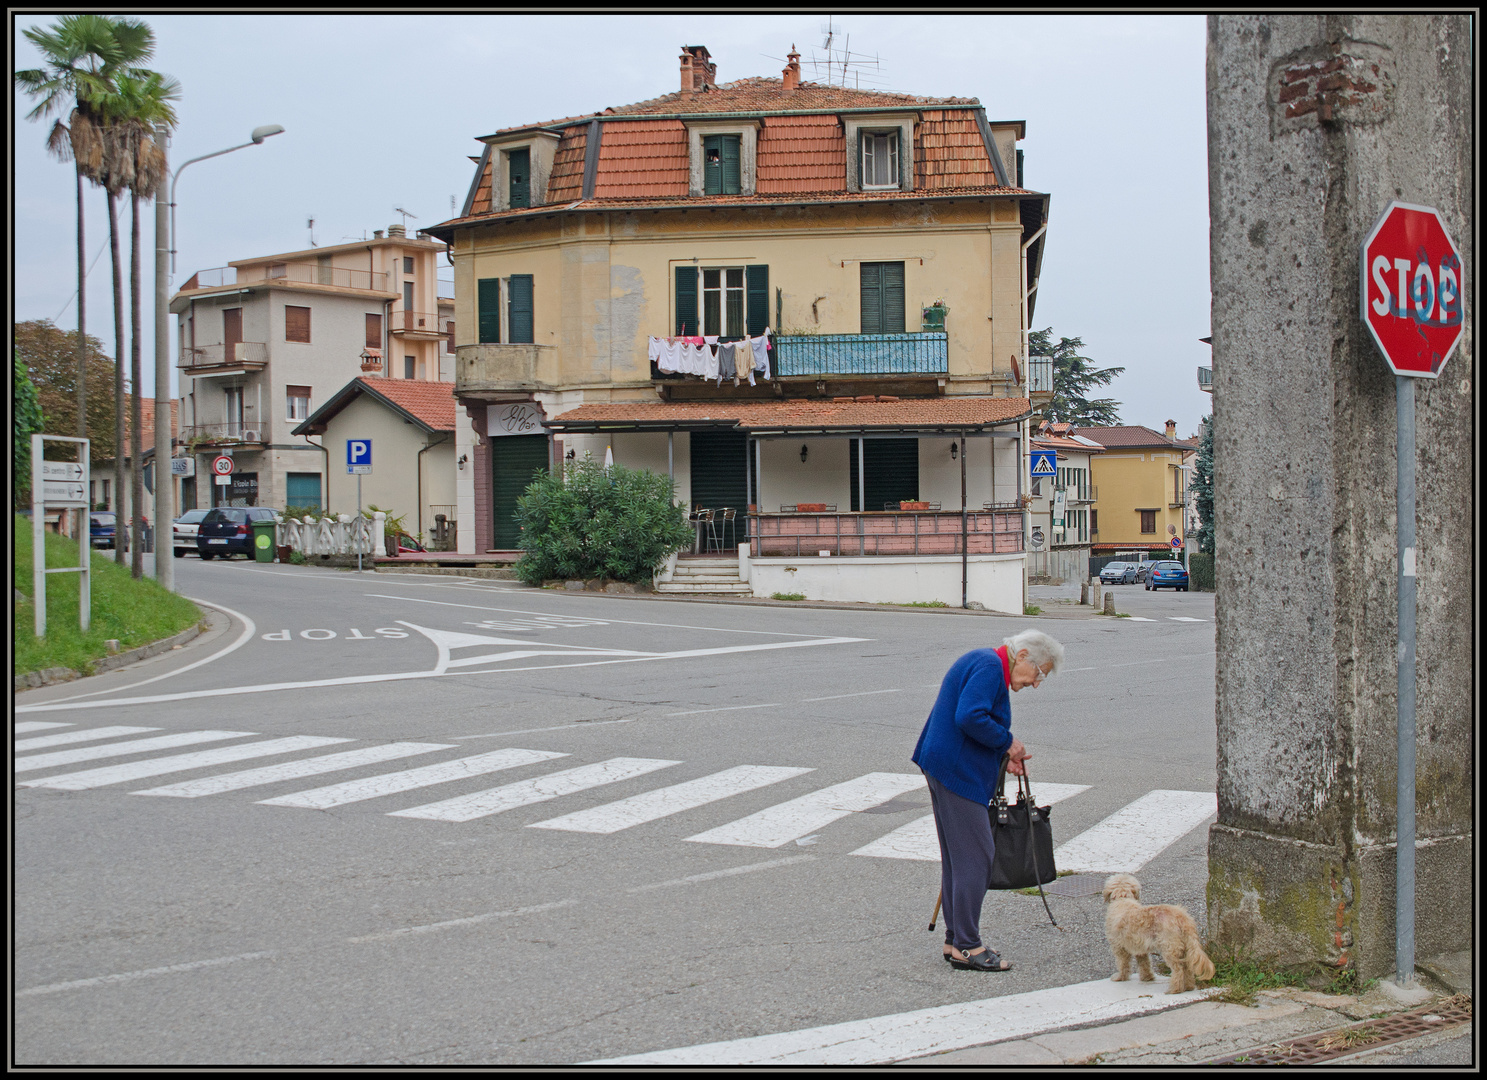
(382, 111)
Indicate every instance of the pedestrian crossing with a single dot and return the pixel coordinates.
(1123, 841)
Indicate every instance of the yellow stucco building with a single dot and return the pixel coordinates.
(1141, 486)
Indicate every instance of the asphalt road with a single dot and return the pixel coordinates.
(201, 925)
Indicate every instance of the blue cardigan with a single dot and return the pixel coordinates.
(970, 727)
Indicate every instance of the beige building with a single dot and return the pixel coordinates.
(1142, 479)
(1061, 511)
(264, 342)
(881, 241)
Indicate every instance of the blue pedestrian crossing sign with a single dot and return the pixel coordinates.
(1045, 463)
(359, 456)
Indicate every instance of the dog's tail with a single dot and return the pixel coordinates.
(1200, 965)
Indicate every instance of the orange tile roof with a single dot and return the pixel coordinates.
(800, 154)
(1128, 436)
(431, 402)
(1056, 443)
(949, 153)
(566, 182)
(802, 413)
(642, 159)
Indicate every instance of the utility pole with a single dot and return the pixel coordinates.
(165, 481)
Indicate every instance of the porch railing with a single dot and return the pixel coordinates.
(339, 535)
(249, 353)
(994, 532)
(230, 431)
(862, 354)
(1040, 374)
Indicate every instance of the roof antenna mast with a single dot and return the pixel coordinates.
(406, 216)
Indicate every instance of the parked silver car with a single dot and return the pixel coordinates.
(183, 531)
(1118, 573)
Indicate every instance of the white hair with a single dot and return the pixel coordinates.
(1041, 649)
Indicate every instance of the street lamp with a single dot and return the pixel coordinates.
(257, 137)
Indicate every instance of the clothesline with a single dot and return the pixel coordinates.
(708, 358)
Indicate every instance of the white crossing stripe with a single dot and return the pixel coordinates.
(650, 805)
(293, 770)
(1184, 618)
(135, 770)
(36, 725)
(1136, 833)
(374, 787)
(886, 1039)
(799, 817)
(1139, 618)
(918, 839)
(138, 746)
(538, 789)
(79, 736)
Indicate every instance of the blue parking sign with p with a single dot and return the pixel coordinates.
(358, 455)
(1045, 463)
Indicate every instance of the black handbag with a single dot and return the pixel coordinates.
(1024, 840)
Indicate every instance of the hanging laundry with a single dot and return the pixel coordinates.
(710, 357)
(760, 346)
(726, 369)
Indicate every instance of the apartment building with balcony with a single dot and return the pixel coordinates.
(882, 242)
(1061, 511)
(1142, 487)
(264, 341)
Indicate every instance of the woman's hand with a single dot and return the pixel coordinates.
(1016, 755)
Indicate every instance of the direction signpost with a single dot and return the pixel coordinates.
(60, 484)
(1411, 287)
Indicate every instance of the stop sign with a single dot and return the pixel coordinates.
(1412, 285)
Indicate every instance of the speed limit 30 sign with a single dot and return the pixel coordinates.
(1412, 288)
(222, 466)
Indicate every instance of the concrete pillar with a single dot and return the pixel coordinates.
(1315, 122)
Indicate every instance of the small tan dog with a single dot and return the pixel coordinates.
(1134, 929)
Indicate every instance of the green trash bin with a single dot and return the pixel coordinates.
(263, 541)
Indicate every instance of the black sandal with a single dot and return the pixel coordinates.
(982, 961)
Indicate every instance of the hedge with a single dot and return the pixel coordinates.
(1200, 572)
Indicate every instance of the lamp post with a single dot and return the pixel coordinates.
(165, 238)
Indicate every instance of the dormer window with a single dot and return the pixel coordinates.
(879, 159)
(720, 156)
(722, 172)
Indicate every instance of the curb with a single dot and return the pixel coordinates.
(50, 676)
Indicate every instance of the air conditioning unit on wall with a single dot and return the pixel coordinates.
(250, 435)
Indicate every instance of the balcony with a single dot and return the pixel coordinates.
(339, 277)
(1205, 379)
(222, 358)
(417, 325)
(815, 355)
(1078, 497)
(230, 433)
(1040, 374)
(490, 367)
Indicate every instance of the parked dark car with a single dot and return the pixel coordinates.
(1167, 575)
(1143, 568)
(226, 531)
(183, 531)
(102, 526)
(1118, 573)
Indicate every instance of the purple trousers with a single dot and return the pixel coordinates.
(966, 851)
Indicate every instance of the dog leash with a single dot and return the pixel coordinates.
(1024, 784)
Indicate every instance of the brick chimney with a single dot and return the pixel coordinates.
(698, 71)
(1171, 429)
(792, 70)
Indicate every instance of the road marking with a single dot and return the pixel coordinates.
(1184, 618)
(538, 789)
(727, 708)
(293, 770)
(36, 725)
(715, 874)
(918, 839)
(1139, 618)
(137, 746)
(800, 817)
(373, 787)
(626, 622)
(650, 805)
(102, 980)
(864, 693)
(1136, 833)
(79, 736)
(886, 1039)
(135, 770)
(555, 727)
(450, 924)
(1153, 660)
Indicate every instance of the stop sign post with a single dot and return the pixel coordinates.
(1411, 287)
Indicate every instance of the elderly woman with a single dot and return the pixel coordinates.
(960, 752)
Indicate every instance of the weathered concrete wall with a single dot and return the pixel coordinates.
(1315, 123)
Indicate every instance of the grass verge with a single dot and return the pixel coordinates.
(787, 596)
(924, 603)
(1241, 979)
(132, 612)
(1031, 609)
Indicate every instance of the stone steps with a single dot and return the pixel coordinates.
(737, 588)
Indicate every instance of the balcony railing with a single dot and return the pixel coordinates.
(505, 367)
(902, 533)
(1077, 496)
(296, 272)
(252, 355)
(236, 431)
(862, 354)
(1205, 378)
(416, 322)
(1040, 374)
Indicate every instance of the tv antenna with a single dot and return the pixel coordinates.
(311, 226)
(840, 65)
(406, 216)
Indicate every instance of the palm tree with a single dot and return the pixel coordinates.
(81, 54)
(136, 114)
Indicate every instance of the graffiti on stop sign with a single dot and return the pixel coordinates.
(1412, 289)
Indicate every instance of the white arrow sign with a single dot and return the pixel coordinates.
(62, 470)
(53, 493)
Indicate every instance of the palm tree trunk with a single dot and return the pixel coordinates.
(82, 338)
(120, 510)
(136, 405)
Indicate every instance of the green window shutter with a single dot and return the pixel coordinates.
(515, 462)
(872, 298)
(892, 472)
(719, 460)
(852, 472)
(520, 318)
(712, 164)
(520, 163)
(893, 298)
(861, 177)
(489, 304)
(758, 300)
(686, 301)
(732, 165)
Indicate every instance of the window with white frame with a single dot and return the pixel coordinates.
(879, 159)
(723, 301)
(297, 402)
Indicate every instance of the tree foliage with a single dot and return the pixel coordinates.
(1203, 485)
(1074, 376)
(613, 523)
(26, 420)
(50, 356)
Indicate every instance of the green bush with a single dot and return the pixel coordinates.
(613, 524)
(1200, 572)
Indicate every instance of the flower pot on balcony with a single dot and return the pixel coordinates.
(911, 505)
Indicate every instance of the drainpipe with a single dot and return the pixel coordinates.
(425, 450)
(964, 552)
(1027, 292)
